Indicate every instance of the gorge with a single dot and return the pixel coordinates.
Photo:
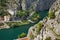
(45, 28)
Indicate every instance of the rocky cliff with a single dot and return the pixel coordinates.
(37, 5)
(56, 6)
(51, 27)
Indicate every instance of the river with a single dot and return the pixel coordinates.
(12, 33)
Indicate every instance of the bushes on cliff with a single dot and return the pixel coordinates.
(39, 27)
(51, 15)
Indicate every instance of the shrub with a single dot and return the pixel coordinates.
(22, 35)
(51, 15)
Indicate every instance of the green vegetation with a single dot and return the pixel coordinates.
(31, 36)
(35, 16)
(51, 15)
(39, 27)
(48, 38)
(22, 35)
(23, 14)
(20, 13)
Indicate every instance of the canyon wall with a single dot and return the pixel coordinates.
(38, 5)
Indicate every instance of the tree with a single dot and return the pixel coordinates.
(51, 15)
(31, 36)
(22, 35)
(20, 13)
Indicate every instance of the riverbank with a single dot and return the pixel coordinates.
(12, 24)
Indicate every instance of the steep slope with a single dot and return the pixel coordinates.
(51, 26)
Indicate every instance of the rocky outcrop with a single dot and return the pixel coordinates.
(51, 28)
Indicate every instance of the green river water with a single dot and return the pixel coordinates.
(12, 33)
